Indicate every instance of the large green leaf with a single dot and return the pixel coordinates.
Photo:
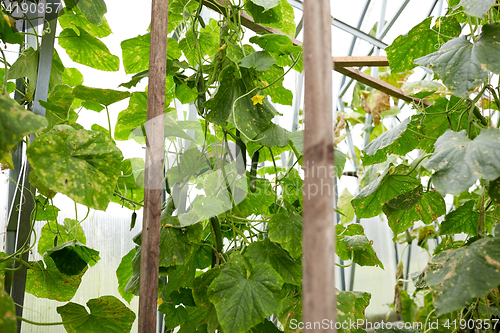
(72, 77)
(176, 244)
(463, 219)
(398, 141)
(82, 164)
(352, 238)
(105, 97)
(286, 230)
(48, 282)
(260, 60)
(457, 276)
(87, 50)
(26, 66)
(494, 190)
(135, 53)
(69, 19)
(107, 314)
(420, 41)
(15, 123)
(69, 230)
(93, 10)
(72, 257)
(243, 297)
(392, 183)
(273, 136)
(123, 274)
(477, 8)
(267, 252)
(459, 161)
(427, 210)
(462, 65)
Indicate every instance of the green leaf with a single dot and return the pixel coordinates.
(286, 230)
(124, 273)
(339, 162)
(15, 123)
(477, 8)
(351, 306)
(82, 164)
(397, 141)
(277, 92)
(494, 190)
(135, 53)
(201, 284)
(72, 77)
(260, 60)
(176, 245)
(267, 252)
(182, 276)
(297, 139)
(93, 10)
(128, 125)
(72, 257)
(207, 43)
(65, 232)
(107, 314)
(420, 41)
(49, 282)
(87, 50)
(258, 202)
(392, 183)
(8, 31)
(105, 97)
(243, 297)
(280, 17)
(266, 4)
(457, 276)
(70, 19)
(174, 316)
(463, 219)
(344, 205)
(8, 321)
(459, 161)
(228, 104)
(131, 182)
(352, 238)
(462, 65)
(273, 136)
(428, 209)
(26, 65)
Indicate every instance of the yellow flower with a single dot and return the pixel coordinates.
(160, 301)
(265, 83)
(257, 99)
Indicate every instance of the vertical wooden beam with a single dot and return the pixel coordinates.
(319, 295)
(148, 290)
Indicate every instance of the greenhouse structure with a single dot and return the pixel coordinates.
(261, 166)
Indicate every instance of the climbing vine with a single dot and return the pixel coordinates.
(230, 243)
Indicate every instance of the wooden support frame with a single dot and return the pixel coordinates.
(150, 248)
(319, 294)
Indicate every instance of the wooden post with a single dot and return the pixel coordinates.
(150, 250)
(319, 293)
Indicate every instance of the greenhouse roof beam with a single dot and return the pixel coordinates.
(347, 28)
